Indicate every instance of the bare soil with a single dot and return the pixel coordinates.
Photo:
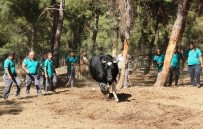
(142, 107)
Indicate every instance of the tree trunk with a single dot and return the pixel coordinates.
(178, 28)
(115, 36)
(54, 24)
(95, 30)
(127, 19)
(113, 5)
(57, 43)
(33, 37)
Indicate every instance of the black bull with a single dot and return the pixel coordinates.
(104, 69)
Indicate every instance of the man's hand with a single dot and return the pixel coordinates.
(9, 77)
(27, 71)
(201, 65)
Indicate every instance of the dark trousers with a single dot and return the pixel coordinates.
(29, 79)
(51, 83)
(43, 81)
(195, 74)
(176, 71)
(8, 84)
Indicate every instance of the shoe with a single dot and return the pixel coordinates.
(27, 93)
(5, 99)
(39, 94)
(46, 92)
(198, 86)
(17, 95)
(68, 84)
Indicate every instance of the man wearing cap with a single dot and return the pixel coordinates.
(10, 76)
(31, 67)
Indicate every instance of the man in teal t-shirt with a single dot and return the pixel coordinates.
(159, 60)
(43, 79)
(31, 67)
(71, 60)
(50, 74)
(10, 76)
(195, 63)
(175, 66)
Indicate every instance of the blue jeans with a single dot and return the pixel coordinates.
(195, 74)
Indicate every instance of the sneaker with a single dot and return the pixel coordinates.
(198, 86)
(17, 95)
(5, 99)
(27, 93)
(68, 84)
(39, 94)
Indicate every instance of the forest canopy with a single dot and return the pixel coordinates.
(89, 25)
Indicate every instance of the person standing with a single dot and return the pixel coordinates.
(175, 66)
(43, 79)
(159, 60)
(50, 74)
(120, 63)
(195, 62)
(10, 76)
(71, 60)
(31, 67)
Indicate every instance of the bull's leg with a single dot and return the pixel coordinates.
(114, 92)
(107, 90)
(102, 87)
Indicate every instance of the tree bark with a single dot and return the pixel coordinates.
(127, 18)
(54, 24)
(113, 5)
(57, 36)
(95, 30)
(178, 28)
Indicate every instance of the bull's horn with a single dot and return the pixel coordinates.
(103, 61)
(115, 60)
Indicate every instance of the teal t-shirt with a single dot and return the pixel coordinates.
(175, 62)
(10, 64)
(159, 59)
(71, 60)
(48, 64)
(32, 66)
(193, 56)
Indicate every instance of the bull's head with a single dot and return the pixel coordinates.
(110, 67)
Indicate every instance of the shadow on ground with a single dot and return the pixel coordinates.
(123, 97)
(11, 107)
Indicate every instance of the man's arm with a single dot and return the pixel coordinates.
(24, 68)
(45, 71)
(201, 61)
(8, 73)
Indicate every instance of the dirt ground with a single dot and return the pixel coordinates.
(142, 107)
